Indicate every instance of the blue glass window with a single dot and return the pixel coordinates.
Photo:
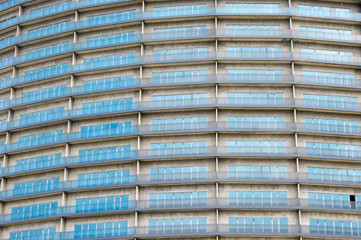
(179, 54)
(4, 102)
(52, 29)
(108, 83)
(4, 82)
(44, 94)
(252, 30)
(36, 186)
(334, 174)
(256, 52)
(326, 55)
(42, 116)
(51, 9)
(337, 34)
(111, 17)
(331, 149)
(34, 211)
(324, 11)
(246, 225)
(328, 78)
(6, 61)
(178, 148)
(257, 198)
(110, 39)
(178, 77)
(330, 200)
(7, 41)
(180, 10)
(102, 203)
(250, 172)
(39, 139)
(329, 101)
(50, 50)
(254, 75)
(38, 162)
(255, 98)
(331, 125)
(46, 72)
(180, 32)
(335, 227)
(107, 106)
(100, 154)
(256, 147)
(177, 199)
(248, 8)
(103, 178)
(177, 225)
(106, 129)
(255, 122)
(3, 124)
(179, 100)
(109, 61)
(173, 124)
(178, 173)
(103, 229)
(35, 234)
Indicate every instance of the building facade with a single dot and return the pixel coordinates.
(213, 119)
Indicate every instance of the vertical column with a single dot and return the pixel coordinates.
(139, 119)
(16, 51)
(3, 180)
(62, 225)
(67, 152)
(5, 161)
(10, 115)
(295, 113)
(3, 184)
(76, 16)
(2, 208)
(12, 93)
(72, 80)
(14, 73)
(8, 138)
(18, 31)
(137, 197)
(70, 103)
(64, 199)
(69, 127)
(73, 59)
(75, 37)
(21, 10)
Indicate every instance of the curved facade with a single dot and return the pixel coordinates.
(153, 119)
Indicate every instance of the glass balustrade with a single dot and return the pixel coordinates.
(34, 234)
(328, 78)
(321, 101)
(255, 98)
(256, 147)
(334, 150)
(241, 9)
(334, 175)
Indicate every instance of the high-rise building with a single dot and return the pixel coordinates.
(148, 119)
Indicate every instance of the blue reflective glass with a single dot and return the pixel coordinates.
(104, 229)
(36, 186)
(34, 234)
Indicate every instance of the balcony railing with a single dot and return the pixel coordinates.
(200, 177)
(185, 204)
